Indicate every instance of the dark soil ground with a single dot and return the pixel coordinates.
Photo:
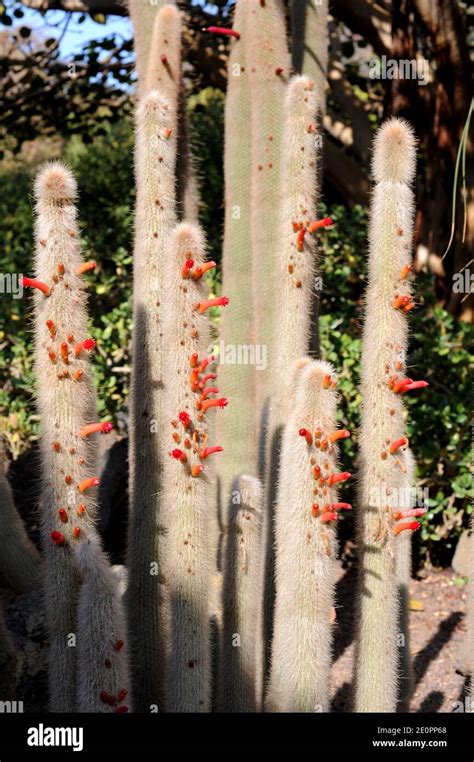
(437, 630)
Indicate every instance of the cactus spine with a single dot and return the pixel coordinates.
(187, 485)
(155, 160)
(66, 404)
(102, 653)
(382, 434)
(241, 655)
(239, 434)
(306, 548)
(20, 562)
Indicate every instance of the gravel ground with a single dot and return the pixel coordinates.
(437, 630)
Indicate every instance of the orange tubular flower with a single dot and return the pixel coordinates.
(300, 239)
(407, 384)
(343, 434)
(92, 428)
(206, 404)
(401, 302)
(92, 481)
(340, 507)
(85, 267)
(413, 525)
(341, 477)
(199, 271)
(315, 510)
(326, 381)
(307, 435)
(207, 361)
(328, 516)
(209, 390)
(221, 301)
(32, 283)
(208, 377)
(317, 224)
(65, 353)
(87, 344)
(209, 451)
(405, 271)
(77, 375)
(51, 328)
(197, 470)
(410, 512)
(402, 442)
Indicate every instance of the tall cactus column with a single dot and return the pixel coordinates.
(306, 547)
(155, 159)
(268, 67)
(188, 490)
(382, 433)
(309, 36)
(239, 434)
(66, 403)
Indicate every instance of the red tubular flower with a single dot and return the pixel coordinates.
(407, 384)
(300, 239)
(185, 419)
(316, 472)
(206, 362)
(92, 481)
(209, 390)
(121, 694)
(413, 525)
(92, 428)
(186, 270)
(209, 451)
(410, 512)
(81, 509)
(77, 375)
(315, 510)
(340, 507)
(178, 454)
(222, 30)
(324, 223)
(52, 356)
(121, 709)
(76, 532)
(193, 360)
(206, 404)
(118, 645)
(328, 516)
(342, 434)
(57, 538)
(87, 344)
(221, 301)
(402, 442)
(307, 435)
(32, 283)
(415, 385)
(61, 269)
(85, 267)
(197, 470)
(341, 477)
(194, 378)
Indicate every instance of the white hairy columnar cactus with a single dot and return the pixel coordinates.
(306, 546)
(385, 462)
(187, 489)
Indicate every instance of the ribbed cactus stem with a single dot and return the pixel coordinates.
(296, 264)
(268, 68)
(306, 548)
(103, 682)
(164, 65)
(239, 433)
(143, 14)
(20, 563)
(155, 161)
(188, 492)
(241, 644)
(309, 42)
(66, 403)
(382, 433)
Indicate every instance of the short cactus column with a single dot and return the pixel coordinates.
(306, 547)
